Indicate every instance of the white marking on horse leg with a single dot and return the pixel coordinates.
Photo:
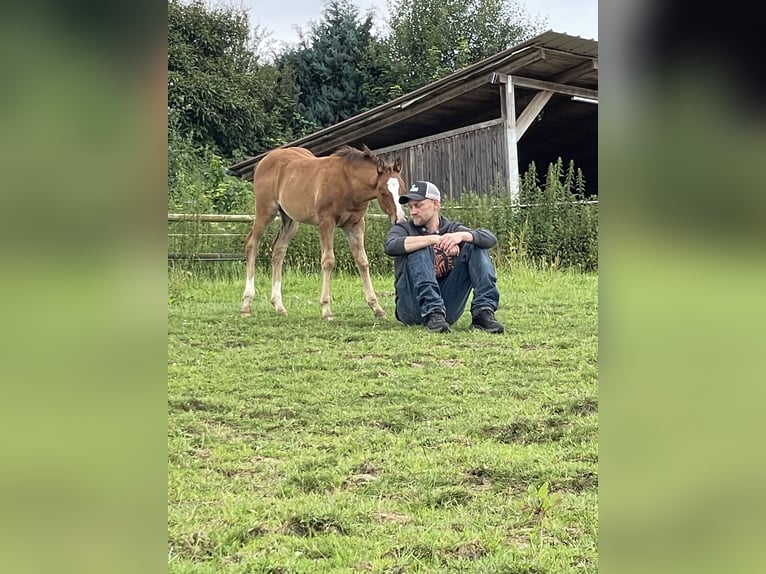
(393, 189)
(324, 297)
(369, 293)
(247, 296)
(276, 298)
(326, 231)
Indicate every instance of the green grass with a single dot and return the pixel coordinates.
(361, 445)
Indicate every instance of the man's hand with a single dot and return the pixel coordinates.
(450, 242)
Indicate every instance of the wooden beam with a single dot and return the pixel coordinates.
(532, 110)
(522, 82)
(542, 97)
(579, 70)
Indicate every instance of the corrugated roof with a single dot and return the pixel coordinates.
(561, 52)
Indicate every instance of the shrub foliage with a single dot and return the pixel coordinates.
(551, 225)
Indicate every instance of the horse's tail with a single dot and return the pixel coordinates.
(285, 221)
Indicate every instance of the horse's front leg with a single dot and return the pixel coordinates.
(355, 236)
(326, 233)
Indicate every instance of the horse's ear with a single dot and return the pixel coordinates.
(398, 165)
(381, 166)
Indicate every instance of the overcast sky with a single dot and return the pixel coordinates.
(280, 17)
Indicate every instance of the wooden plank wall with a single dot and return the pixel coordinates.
(471, 161)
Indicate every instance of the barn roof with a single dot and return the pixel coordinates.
(470, 96)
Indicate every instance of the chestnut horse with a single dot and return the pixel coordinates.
(330, 192)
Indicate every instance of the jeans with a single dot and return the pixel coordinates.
(418, 292)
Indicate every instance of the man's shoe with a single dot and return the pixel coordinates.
(436, 322)
(485, 320)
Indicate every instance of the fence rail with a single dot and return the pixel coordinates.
(241, 218)
(232, 218)
(212, 217)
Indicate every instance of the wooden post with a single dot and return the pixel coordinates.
(508, 106)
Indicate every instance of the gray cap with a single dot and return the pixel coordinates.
(421, 190)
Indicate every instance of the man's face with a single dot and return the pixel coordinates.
(422, 211)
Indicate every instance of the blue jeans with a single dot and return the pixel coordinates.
(418, 292)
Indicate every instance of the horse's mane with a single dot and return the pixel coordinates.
(349, 153)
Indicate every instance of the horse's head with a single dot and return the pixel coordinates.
(389, 185)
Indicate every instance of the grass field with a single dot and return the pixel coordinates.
(361, 445)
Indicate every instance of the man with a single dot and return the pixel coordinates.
(438, 263)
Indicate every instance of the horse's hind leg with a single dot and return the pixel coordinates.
(253, 240)
(326, 235)
(278, 251)
(355, 236)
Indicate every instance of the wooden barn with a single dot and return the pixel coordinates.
(478, 128)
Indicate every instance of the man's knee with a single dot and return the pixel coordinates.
(470, 252)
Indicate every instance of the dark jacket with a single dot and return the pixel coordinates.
(394, 246)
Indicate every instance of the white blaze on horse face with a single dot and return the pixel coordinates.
(393, 188)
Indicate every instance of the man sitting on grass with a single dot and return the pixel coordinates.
(438, 263)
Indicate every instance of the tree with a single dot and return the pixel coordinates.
(340, 68)
(430, 39)
(219, 95)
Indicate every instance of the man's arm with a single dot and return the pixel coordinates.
(415, 242)
(449, 242)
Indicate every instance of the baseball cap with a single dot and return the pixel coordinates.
(421, 190)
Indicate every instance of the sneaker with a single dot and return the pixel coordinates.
(436, 322)
(485, 320)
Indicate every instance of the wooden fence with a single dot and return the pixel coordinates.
(214, 218)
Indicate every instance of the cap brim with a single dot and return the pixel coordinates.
(411, 197)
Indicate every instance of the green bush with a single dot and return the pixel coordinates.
(549, 227)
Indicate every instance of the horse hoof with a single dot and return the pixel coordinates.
(328, 317)
(281, 311)
(244, 313)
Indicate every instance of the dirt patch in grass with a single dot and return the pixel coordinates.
(471, 550)
(195, 545)
(579, 407)
(449, 497)
(416, 551)
(192, 404)
(577, 483)
(479, 478)
(586, 406)
(528, 431)
(312, 526)
(392, 426)
(358, 480)
(531, 347)
(366, 473)
(244, 536)
(390, 517)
